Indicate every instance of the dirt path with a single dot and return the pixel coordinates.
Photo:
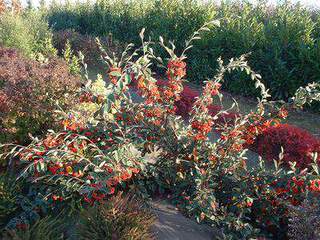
(172, 225)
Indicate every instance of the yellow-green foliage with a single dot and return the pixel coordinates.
(28, 32)
(87, 109)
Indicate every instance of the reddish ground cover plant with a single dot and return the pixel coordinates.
(184, 105)
(297, 144)
(29, 92)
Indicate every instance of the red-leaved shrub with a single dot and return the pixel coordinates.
(184, 105)
(29, 91)
(297, 143)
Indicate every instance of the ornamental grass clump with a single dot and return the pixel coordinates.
(125, 143)
(51, 228)
(9, 191)
(123, 217)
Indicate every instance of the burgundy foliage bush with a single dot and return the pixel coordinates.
(297, 143)
(29, 91)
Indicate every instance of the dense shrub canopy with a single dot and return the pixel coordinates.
(29, 92)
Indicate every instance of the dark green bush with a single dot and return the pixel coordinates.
(283, 40)
(8, 198)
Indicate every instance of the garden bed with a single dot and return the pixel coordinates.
(104, 148)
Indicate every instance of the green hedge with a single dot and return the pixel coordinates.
(283, 41)
(28, 32)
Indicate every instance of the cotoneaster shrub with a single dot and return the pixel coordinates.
(29, 94)
(296, 143)
(188, 96)
(124, 143)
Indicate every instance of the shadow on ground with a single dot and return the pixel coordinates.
(172, 225)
